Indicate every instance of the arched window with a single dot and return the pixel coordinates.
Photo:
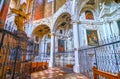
(89, 15)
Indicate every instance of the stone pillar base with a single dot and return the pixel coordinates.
(50, 64)
(76, 68)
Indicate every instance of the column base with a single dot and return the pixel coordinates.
(76, 68)
(50, 64)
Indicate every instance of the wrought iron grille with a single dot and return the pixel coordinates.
(16, 55)
(105, 57)
(65, 61)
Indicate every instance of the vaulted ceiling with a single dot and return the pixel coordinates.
(41, 30)
(63, 22)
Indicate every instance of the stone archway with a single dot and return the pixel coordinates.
(63, 40)
(63, 22)
(40, 31)
(44, 21)
(66, 8)
(39, 35)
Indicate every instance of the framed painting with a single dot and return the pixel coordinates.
(92, 37)
(1, 4)
(61, 47)
(89, 15)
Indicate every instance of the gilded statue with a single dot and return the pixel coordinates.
(20, 17)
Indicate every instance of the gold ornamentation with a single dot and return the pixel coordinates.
(20, 17)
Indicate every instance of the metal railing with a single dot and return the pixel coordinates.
(42, 57)
(65, 61)
(105, 57)
(15, 53)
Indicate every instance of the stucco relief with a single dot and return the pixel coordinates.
(108, 9)
(65, 8)
(44, 21)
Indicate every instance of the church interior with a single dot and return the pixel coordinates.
(59, 39)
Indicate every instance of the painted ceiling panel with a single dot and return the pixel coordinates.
(41, 30)
(39, 9)
(48, 8)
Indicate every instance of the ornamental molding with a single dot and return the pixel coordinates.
(44, 21)
(66, 8)
(108, 10)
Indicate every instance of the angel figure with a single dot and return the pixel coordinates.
(20, 17)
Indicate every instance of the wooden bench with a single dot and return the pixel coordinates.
(38, 66)
(69, 65)
(97, 72)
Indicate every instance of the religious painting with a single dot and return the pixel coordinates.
(118, 23)
(1, 4)
(48, 48)
(48, 8)
(39, 9)
(89, 15)
(61, 47)
(92, 37)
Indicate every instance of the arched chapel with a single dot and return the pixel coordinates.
(76, 39)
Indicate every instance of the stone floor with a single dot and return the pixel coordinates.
(56, 73)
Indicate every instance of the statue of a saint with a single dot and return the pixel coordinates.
(20, 17)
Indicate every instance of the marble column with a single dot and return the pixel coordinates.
(76, 47)
(44, 51)
(52, 50)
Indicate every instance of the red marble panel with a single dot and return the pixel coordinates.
(39, 9)
(3, 14)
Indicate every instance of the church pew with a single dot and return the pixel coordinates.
(97, 72)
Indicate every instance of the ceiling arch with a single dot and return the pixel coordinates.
(41, 30)
(63, 22)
